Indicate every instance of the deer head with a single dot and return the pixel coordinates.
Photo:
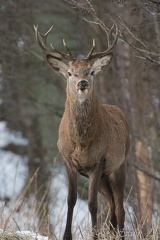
(79, 73)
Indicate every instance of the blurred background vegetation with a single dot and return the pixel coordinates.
(32, 96)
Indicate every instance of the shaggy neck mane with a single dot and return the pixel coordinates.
(82, 118)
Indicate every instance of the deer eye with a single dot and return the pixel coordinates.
(92, 73)
(69, 74)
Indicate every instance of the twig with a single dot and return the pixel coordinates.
(80, 231)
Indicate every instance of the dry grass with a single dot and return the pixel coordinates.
(101, 236)
(137, 235)
(14, 236)
(28, 224)
(28, 214)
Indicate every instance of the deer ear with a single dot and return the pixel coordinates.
(100, 63)
(57, 64)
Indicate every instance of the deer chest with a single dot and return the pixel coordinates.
(84, 160)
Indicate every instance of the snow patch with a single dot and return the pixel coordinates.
(13, 175)
(32, 234)
(13, 168)
(28, 233)
(7, 136)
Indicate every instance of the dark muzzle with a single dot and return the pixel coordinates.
(82, 85)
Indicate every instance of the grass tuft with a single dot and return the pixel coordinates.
(14, 236)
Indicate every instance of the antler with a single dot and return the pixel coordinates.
(109, 33)
(42, 41)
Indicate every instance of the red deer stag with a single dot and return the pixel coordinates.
(93, 137)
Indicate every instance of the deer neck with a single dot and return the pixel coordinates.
(82, 118)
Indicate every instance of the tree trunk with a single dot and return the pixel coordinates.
(145, 186)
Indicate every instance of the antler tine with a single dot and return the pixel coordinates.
(42, 41)
(65, 55)
(92, 49)
(40, 37)
(116, 35)
(65, 45)
(110, 46)
(46, 34)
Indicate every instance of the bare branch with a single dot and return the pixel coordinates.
(134, 37)
(144, 51)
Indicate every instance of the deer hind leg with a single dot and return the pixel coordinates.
(72, 197)
(117, 180)
(106, 190)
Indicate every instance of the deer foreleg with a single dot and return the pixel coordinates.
(72, 197)
(94, 181)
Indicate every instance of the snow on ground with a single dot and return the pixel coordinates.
(13, 173)
(32, 234)
(13, 168)
(28, 233)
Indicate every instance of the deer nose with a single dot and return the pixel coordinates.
(82, 84)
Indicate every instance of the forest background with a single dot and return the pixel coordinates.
(32, 100)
